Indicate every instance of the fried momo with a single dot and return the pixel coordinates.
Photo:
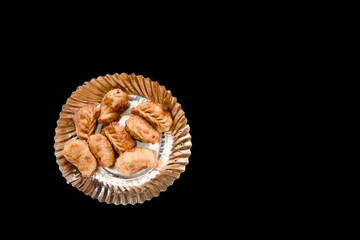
(78, 153)
(135, 160)
(85, 121)
(155, 114)
(141, 130)
(112, 105)
(118, 137)
(101, 148)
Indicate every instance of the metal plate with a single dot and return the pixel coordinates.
(107, 185)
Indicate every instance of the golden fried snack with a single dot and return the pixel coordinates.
(118, 137)
(141, 130)
(78, 153)
(101, 148)
(135, 160)
(155, 114)
(85, 121)
(112, 105)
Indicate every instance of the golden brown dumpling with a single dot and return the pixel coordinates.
(155, 114)
(135, 160)
(141, 130)
(112, 105)
(78, 153)
(118, 137)
(85, 121)
(101, 148)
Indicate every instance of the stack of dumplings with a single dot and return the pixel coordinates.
(115, 146)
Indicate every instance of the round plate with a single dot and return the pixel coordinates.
(107, 185)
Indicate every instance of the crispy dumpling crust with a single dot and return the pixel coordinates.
(118, 137)
(101, 148)
(155, 114)
(85, 121)
(113, 104)
(135, 160)
(141, 130)
(78, 153)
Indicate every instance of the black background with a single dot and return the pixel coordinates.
(226, 84)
